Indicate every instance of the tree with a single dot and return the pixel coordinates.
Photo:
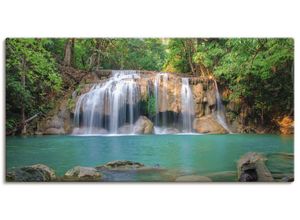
(32, 79)
(69, 52)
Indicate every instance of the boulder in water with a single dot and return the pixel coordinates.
(34, 173)
(121, 165)
(287, 179)
(208, 124)
(251, 168)
(79, 173)
(143, 126)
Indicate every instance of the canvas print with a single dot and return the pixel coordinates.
(149, 109)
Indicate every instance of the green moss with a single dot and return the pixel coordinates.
(79, 88)
(151, 105)
(71, 104)
(147, 106)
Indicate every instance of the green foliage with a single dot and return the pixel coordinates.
(137, 54)
(29, 60)
(151, 105)
(178, 56)
(71, 103)
(102, 53)
(147, 106)
(258, 73)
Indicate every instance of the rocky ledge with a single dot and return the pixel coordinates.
(121, 165)
(34, 173)
(251, 168)
(79, 173)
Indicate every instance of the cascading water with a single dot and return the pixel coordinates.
(109, 105)
(187, 103)
(115, 105)
(156, 93)
(220, 112)
(161, 103)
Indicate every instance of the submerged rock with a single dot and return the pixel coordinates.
(121, 165)
(193, 178)
(208, 124)
(79, 173)
(251, 168)
(143, 126)
(287, 179)
(34, 173)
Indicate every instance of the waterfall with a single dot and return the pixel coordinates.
(114, 105)
(156, 93)
(161, 98)
(187, 103)
(164, 100)
(116, 99)
(220, 112)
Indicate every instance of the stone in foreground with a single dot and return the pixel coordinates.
(79, 173)
(251, 168)
(193, 178)
(34, 173)
(122, 165)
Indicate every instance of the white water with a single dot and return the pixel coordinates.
(187, 103)
(161, 98)
(109, 105)
(113, 106)
(220, 112)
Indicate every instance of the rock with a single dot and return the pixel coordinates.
(58, 121)
(286, 125)
(208, 124)
(79, 173)
(287, 179)
(211, 97)
(193, 178)
(54, 131)
(34, 173)
(251, 168)
(122, 165)
(143, 126)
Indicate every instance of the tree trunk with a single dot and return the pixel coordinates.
(23, 82)
(69, 52)
(190, 50)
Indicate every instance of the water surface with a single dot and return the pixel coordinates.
(189, 154)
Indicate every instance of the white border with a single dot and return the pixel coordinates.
(156, 18)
